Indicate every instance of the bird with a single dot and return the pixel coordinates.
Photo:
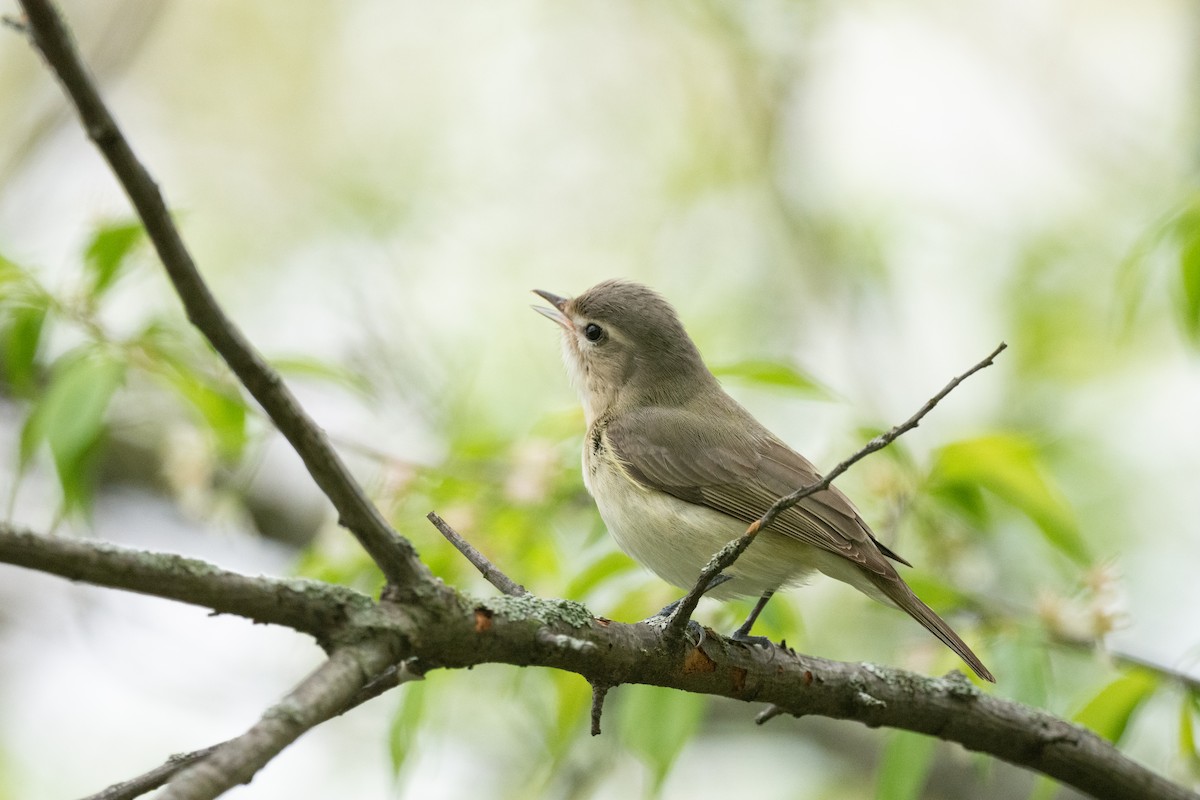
(678, 468)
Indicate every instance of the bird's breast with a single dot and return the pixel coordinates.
(675, 538)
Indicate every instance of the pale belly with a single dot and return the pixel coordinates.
(675, 539)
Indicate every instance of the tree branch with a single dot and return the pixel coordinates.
(149, 781)
(320, 696)
(389, 679)
(307, 606)
(450, 631)
(727, 555)
(490, 572)
(394, 554)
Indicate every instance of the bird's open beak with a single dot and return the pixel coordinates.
(555, 313)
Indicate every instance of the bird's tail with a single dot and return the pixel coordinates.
(898, 592)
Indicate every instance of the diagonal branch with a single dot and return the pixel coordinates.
(306, 606)
(724, 558)
(394, 555)
(392, 677)
(319, 697)
(149, 781)
(490, 572)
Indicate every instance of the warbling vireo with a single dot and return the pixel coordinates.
(678, 469)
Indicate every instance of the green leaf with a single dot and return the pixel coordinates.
(1187, 730)
(406, 725)
(19, 288)
(1009, 466)
(574, 696)
(220, 406)
(1109, 712)
(774, 375)
(607, 566)
(1189, 279)
(11, 275)
(69, 417)
(22, 338)
(656, 724)
(938, 594)
(904, 768)
(107, 254)
(303, 367)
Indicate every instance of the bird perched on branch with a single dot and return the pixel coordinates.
(678, 468)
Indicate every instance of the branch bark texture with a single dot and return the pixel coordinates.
(448, 630)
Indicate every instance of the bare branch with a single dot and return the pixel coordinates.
(490, 572)
(727, 555)
(307, 606)
(599, 692)
(390, 678)
(394, 554)
(448, 630)
(149, 781)
(319, 697)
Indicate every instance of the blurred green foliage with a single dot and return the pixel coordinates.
(1010, 467)
(59, 358)
(1110, 710)
(907, 758)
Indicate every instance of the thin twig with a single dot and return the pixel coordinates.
(394, 554)
(18, 25)
(319, 697)
(599, 692)
(767, 714)
(725, 557)
(490, 572)
(149, 781)
(390, 678)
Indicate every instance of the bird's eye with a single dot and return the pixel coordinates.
(593, 332)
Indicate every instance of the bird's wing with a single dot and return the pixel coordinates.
(741, 469)
(732, 464)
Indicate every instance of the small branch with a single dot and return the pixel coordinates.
(727, 555)
(18, 25)
(149, 781)
(319, 697)
(599, 692)
(391, 677)
(443, 631)
(394, 554)
(395, 675)
(490, 572)
(767, 714)
(307, 606)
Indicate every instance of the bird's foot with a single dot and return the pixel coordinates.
(666, 611)
(695, 632)
(753, 641)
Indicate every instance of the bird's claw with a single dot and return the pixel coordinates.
(695, 632)
(751, 641)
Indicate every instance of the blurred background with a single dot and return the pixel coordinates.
(848, 203)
